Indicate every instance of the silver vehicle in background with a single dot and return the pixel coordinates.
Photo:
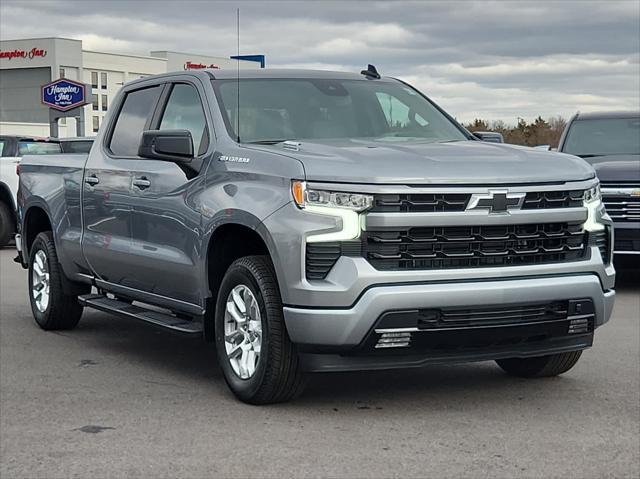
(12, 148)
(76, 144)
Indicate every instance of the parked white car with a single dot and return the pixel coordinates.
(12, 148)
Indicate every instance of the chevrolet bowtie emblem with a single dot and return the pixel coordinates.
(497, 202)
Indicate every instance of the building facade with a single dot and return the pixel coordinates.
(27, 64)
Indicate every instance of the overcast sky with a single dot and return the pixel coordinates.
(495, 60)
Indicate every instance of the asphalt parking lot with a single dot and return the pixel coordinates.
(115, 398)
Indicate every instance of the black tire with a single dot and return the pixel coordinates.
(7, 224)
(62, 311)
(277, 376)
(541, 366)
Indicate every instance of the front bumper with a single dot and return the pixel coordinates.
(339, 331)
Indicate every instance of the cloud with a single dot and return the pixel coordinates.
(491, 59)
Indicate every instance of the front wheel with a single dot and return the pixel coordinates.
(541, 366)
(258, 360)
(52, 309)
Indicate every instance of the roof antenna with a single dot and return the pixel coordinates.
(371, 72)
(238, 74)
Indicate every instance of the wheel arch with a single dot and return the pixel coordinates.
(36, 220)
(239, 234)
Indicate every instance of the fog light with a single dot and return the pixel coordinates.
(394, 340)
(578, 326)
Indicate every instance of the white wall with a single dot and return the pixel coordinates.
(119, 69)
(35, 129)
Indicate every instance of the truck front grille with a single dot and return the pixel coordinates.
(622, 209)
(622, 201)
(420, 203)
(553, 199)
(452, 202)
(474, 246)
(453, 330)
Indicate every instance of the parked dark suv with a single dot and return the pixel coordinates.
(610, 142)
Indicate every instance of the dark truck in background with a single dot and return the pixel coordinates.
(328, 222)
(610, 142)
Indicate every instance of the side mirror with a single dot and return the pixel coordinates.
(543, 147)
(490, 136)
(167, 145)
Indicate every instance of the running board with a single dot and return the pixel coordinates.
(126, 310)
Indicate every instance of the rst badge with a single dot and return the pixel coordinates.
(497, 202)
(234, 159)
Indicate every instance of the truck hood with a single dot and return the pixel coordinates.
(460, 162)
(617, 168)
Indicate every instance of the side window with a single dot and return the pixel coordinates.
(137, 108)
(28, 147)
(184, 112)
(1, 147)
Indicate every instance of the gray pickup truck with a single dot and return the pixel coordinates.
(310, 221)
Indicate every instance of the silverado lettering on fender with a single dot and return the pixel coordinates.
(369, 230)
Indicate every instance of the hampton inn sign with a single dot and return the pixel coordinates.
(23, 54)
(64, 95)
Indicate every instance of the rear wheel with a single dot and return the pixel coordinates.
(541, 366)
(7, 224)
(52, 309)
(259, 362)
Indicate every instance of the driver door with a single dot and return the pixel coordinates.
(166, 230)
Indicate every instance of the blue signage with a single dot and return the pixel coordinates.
(64, 94)
(251, 58)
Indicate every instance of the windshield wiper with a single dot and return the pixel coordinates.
(265, 142)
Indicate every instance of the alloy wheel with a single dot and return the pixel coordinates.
(243, 331)
(40, 283)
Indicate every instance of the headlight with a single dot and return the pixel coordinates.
(329, 199)
(345, 207)
(593, 202)
(592, 194)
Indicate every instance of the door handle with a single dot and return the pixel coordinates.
(92, 180)
(142, 183)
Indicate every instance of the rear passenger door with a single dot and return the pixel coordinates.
(166, 226)
(107, 190)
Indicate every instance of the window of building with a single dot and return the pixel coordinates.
(96, 123)
(104, 103)
(62, 73)
(136, 110)
(184, 112)
(94, 79)
(103, 80)
(94, 102)
(63, 121)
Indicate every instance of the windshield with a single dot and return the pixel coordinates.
(611, 136)
(28, 147)
(273, 110)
